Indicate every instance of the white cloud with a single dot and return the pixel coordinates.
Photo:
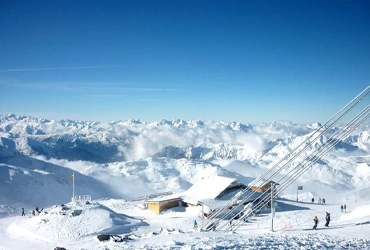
(80, 166)
(59, 86)
(145, 141)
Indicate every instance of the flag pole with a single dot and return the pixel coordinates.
(73, 194)
(299, 188)
(297, 192)
(272, 208)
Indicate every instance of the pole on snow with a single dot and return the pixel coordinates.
(297, 193)
(299, 188)
(203, 211)
(272, 208)
(73, 192)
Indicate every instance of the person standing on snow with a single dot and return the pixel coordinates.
(195, 224)
(323, 201)
(312, 200)
(23, 214)
(316, 220)
(327, 219)
(345, 208)
(341, 208)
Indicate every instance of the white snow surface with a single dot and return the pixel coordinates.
(173, 228)
(202, 190)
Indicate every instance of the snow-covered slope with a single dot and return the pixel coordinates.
(27, 182)
(140, 228)
(155, 175)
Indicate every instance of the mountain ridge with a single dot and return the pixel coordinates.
(132, 154)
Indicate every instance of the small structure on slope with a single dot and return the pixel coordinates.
(263, 185)
(159, 204)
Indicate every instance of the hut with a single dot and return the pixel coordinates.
(159, 204)
(262, 186)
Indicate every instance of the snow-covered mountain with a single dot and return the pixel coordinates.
(124, 154)
(116, 162)
(133, 139)
(28, 182)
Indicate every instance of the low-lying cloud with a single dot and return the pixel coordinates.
(145, 141)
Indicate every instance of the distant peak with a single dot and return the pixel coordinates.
(134, 121)
(315, 125)
(164, 122)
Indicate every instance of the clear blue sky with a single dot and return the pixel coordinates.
(246, 61)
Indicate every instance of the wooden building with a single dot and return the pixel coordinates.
(263, 185)
(161, 203)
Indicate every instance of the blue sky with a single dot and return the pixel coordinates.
(246, 61)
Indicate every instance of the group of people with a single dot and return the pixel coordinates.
(321, 201)
(37, 210)
(343, 208)
(33, 211)
(316, 220)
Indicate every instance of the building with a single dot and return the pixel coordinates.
(159, 204)
(262, 186)
(211, 193)
(208, 194)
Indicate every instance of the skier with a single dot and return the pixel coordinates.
(23, 214)
(323, 201)
(345, 208)
(327, 219)
(341, 208)
(312, 200)
(195, 224)
(316, 220)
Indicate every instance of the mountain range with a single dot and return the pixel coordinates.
(111, 158)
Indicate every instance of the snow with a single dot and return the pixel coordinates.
(118, 162)
(203, 190)
(359, 212)
(173, 229)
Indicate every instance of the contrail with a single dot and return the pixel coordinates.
(134, 88)
(61, 68)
